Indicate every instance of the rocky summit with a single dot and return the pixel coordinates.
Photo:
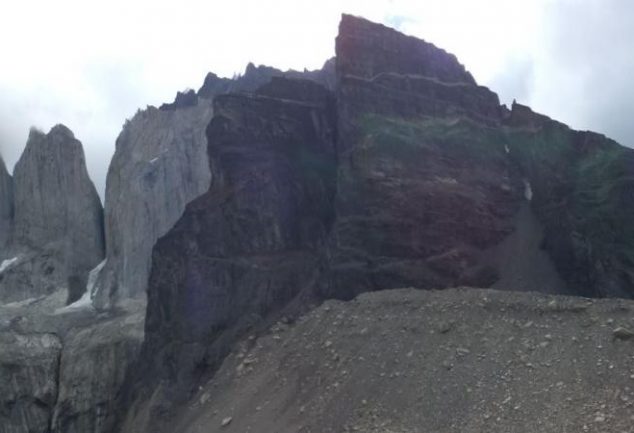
(228, 286)
(57, 233)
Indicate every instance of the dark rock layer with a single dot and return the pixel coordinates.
(269, 209)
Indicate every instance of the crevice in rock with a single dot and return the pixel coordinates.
(58, 370)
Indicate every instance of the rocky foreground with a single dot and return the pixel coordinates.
(458, 360)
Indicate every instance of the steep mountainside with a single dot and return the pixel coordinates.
(240, 208)
(62, 366)
(268, 208)
(408, 174)
(160, 164)
(57, 235)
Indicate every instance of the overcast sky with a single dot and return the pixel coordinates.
(91, 64)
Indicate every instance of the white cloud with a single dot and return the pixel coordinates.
(91, 64)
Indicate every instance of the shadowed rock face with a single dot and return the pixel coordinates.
(252, 242)
(424, 184)
(58, 225)
(161, 164)
(583, 192)
(6, 206)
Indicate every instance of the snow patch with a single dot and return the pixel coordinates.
(82, 303)
(85, 302)
(91, 286)
(23, 303)
(7, 263)
(528, 190)
(506, 148)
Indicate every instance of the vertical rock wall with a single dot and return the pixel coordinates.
(57, 234)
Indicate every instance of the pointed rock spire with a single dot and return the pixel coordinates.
(58, 218)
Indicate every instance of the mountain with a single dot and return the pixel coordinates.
(408, 174)
(235, 211)
(160, 164)
(57, 233)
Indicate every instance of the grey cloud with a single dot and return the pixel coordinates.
(589, 47)
(516, 82)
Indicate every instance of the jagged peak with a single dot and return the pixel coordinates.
(59, 130)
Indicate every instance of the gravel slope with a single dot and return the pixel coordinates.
(459, 360)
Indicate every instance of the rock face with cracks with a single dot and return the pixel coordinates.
(61, 368)
(57, 235)
(160, 164)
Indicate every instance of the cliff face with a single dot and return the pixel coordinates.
(424, 185)
(57, 234)
(6, 205)
(407, 174)
(160, 164)
(252, 241)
